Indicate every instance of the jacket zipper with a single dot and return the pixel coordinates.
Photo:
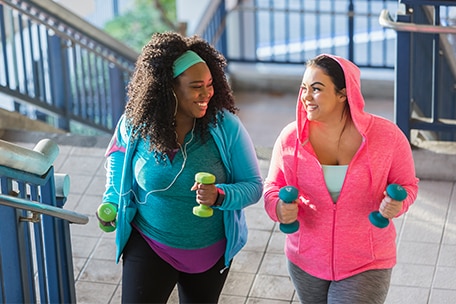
(333, 260)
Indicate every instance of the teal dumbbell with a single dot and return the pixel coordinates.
(107, 213)
(207, 179)
(288, 195)
(397, 193)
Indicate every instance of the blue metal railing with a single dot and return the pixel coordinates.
(269, 31)
(57, 68)
(35, 247)
(212, 26)
(425, 70)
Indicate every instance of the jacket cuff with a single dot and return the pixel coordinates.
(220, 198)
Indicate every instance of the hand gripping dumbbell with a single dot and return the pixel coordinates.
(288, 195)
(397, 193)
(107, 214)
(207, 179)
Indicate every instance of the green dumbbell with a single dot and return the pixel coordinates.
(397, 193)
(107, 213)
(207, 179)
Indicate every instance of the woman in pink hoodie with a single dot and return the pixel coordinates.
(341, 159)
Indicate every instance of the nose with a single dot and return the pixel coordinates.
(207, 92)
(305, 95)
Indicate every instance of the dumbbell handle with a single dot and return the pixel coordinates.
(397, 193)
(288, 195)
(207, 179)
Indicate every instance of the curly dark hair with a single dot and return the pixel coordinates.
(151, 103)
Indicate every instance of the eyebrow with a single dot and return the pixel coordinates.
(200, 81)
(316, 82)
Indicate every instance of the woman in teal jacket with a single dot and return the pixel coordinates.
(179, 120)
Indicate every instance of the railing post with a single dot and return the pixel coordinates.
(223, 38)
(58, 73)
(351, 31)
(118, 93)
(14, 280)
(402, 94)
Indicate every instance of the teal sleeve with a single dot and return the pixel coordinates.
(238, 152)
(115, 164)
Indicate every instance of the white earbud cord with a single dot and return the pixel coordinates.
(184, 156)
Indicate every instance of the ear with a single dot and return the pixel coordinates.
(343, 95)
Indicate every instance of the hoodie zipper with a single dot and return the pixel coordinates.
(333, 242)
(333, 260)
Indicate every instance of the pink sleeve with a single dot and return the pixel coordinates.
(274, 181)
(403, 171)
(114, 146)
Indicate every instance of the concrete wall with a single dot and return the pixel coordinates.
(15, 121)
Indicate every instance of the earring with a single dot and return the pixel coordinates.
(177, 102)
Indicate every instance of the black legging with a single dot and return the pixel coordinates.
(146, 278)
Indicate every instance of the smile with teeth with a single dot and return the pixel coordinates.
(202, 104)
(311, 107)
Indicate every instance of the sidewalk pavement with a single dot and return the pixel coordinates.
(426, 239)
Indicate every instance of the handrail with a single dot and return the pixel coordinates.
(36, 161)
(88, 34)
(207, 17)
(386, 20)
(88, 29)
(70, 216)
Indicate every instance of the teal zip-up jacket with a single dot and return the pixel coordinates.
(243, 188)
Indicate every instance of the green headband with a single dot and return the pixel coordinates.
(185, 61)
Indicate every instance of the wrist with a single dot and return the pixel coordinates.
(220, 198)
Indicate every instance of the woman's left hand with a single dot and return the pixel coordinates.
(390, 208)
(205, 194)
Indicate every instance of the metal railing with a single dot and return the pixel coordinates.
(291, 32)
(36, 263)
(425, 94)
(57, 68)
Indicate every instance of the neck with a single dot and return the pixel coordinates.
(183, 127)
(331, 126)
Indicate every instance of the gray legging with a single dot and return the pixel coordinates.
(369, 287)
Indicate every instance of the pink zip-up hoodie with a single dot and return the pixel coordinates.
(337, 240)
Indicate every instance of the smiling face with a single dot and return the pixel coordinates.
(320, 98)
(193, 90)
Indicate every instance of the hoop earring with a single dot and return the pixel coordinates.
(177, 102)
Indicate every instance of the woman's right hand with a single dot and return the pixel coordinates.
(287, 212)
(107, 215)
